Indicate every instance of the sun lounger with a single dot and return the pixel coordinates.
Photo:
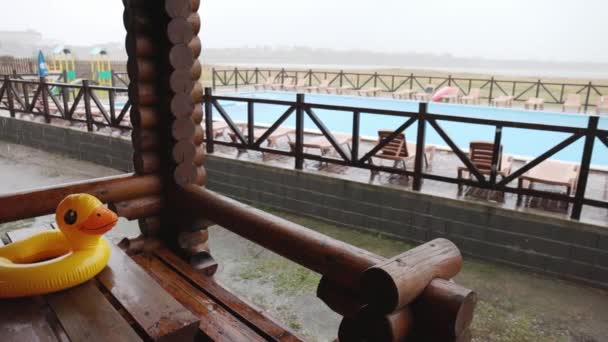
(345, 90)
(602, 105)
(301, 84)
(472, 97)
(289, 82)
(272, 141)
(321, 143)
(369, 91)
(551, 172)
(403, 94)
(535, 103)
(503, 101)
(400, 151)
(219, 127)
(322, 87)
(426, 95)
(267, 84)
(481, 154)
(447, 94)
(273, 138)
(573, 102)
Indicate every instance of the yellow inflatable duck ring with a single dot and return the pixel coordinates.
(59, 259)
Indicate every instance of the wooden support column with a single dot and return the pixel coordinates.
(163, 50)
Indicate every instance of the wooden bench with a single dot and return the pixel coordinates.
(157, 297)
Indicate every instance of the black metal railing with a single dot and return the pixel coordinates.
(75, 103)
(490, 88)
(83, 104)
(244, 139)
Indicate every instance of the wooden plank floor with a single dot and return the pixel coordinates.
(216, 323)
(249, 314)
(152, 297)
(122, 304)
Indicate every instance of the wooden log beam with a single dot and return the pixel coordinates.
(197, 93)
(197, 114)
(139, 244)
(181, 57)
(146, 162)
(188, 173)
(145, 117)
(195, 45)
(196, 71)
(340, 262)
(180, 30)
(398, 281)
(44, 201)
(395, 326)
(183, 128)
(199, 134)
(195, 22)
(181, 81)
(339, 299)
(144, 68)
(150, 226)
(138, 208)
(444, 308)
(144, 140)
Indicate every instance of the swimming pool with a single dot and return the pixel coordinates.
(515, 141)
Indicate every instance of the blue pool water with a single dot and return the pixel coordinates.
(519, 142)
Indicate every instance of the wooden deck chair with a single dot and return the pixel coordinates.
(300, 84)
(322, 87)
(267, 84)
(573, 101)
(400, 151)
(602, 105)
(535, 103)
(289, 82)
(472, 97)
(404, 94)
(481, 154)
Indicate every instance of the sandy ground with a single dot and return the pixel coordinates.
(514, 305)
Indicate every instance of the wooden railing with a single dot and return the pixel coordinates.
(95, 106)
(423, 120)
(490, 88)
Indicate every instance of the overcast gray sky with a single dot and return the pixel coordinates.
(505, 29)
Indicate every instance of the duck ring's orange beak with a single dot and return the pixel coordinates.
(100, 221)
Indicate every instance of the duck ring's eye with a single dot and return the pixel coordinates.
(70, 217)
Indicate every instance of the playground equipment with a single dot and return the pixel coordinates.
(101, 69)
(62, 60)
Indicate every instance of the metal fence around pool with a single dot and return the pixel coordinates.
(490, 88)
(97, 107)
(245, 138)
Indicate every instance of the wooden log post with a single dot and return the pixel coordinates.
(163, 49)
(398, 281)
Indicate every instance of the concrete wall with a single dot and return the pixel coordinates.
(97, 148)
(563, 248)
(560, 247)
